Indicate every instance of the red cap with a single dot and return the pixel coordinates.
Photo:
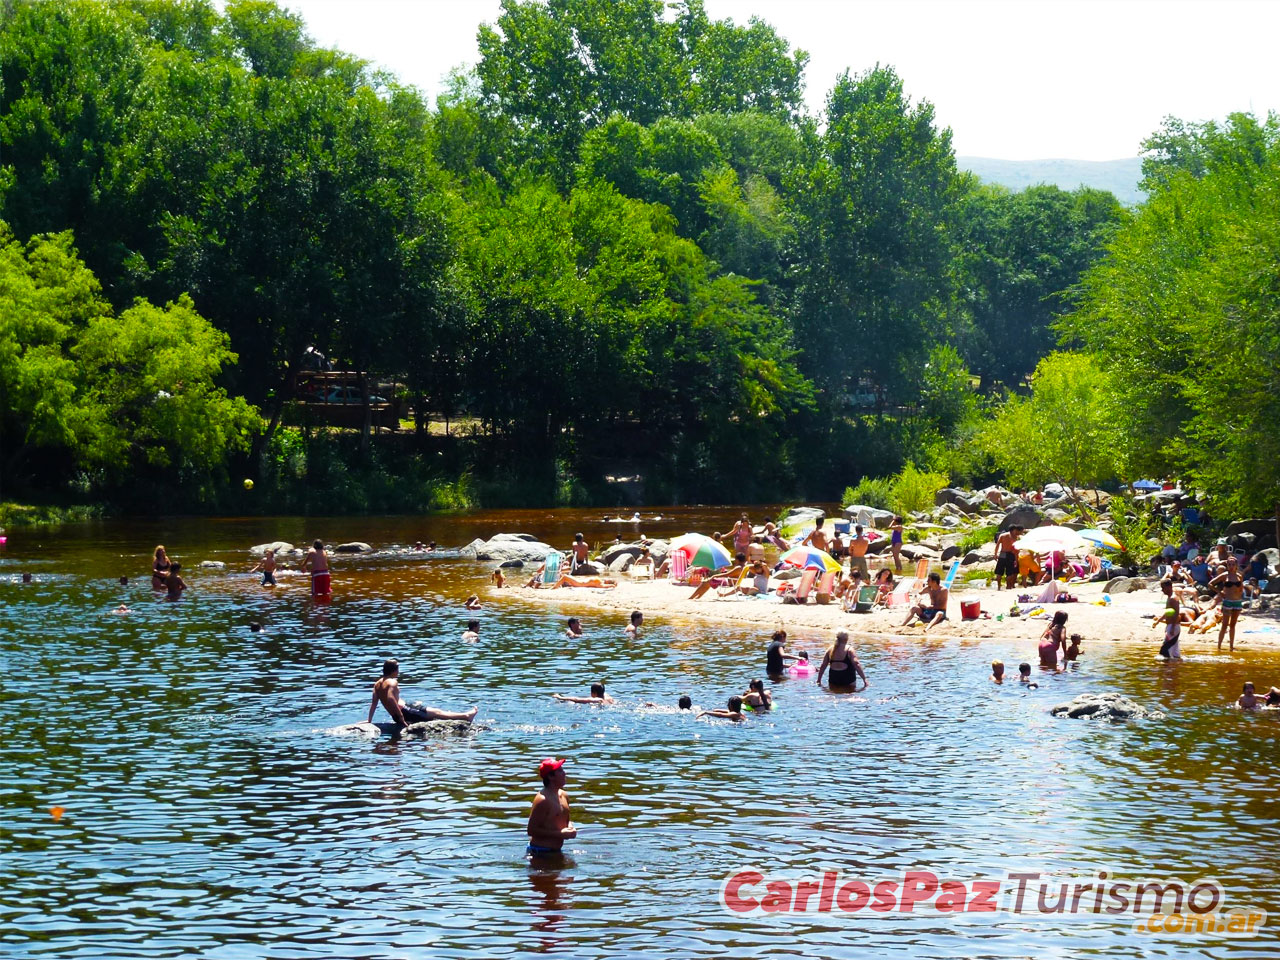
(548, 766)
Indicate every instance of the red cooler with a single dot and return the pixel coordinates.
(970, 609)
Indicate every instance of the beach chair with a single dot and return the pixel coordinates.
(805, 585)
(825, 582)
(866, 599)
(679, 568)
(736, 586)
(551, 568)
(951, 574)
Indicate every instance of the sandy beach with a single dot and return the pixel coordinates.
(1126, 619)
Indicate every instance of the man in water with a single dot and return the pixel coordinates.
(549, 825)
(317, 561)
(1007, 557)
(632, 629)
(387, 692)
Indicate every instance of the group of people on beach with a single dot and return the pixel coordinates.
(1214, 595)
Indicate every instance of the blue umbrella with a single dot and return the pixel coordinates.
(1146, 485)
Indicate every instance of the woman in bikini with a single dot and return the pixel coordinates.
(160, 567)
(1230, 587)
(843, 664)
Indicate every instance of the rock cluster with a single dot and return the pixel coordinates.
(1111, 707)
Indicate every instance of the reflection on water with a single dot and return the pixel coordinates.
(210, 809)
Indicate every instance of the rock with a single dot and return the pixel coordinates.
(621, 563)
(213, 565)
(1104, 706)
(869, 516)
(962, 500)
(800, 515)
(511, 537)
(930, 543)
(973, 556)
(589, 570)
(1243, 541)
(279, 546)
(951, 510)
(1273, 557)
(951, 522)
(499, 551)
(951, 551)
(1056, 515)
(1026, 517)
(883, 545)
(1258, 528)
(788, 573)
(512, 563)
(613, 552)
(353, 546)
(1118, 585)
(914, 551)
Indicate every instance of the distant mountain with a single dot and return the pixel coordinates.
(1119, 176)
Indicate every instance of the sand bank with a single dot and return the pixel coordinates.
(1126, 619)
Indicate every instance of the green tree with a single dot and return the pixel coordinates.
(1185, 316)
(1020, 257)
(561, 68)
(122, 397)
(1063, 432)
(873, 215)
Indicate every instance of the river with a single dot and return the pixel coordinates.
(209, 810)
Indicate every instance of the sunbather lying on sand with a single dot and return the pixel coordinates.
(600, 583)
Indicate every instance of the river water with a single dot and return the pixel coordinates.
(209, 810)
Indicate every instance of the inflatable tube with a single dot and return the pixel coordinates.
(799, 669)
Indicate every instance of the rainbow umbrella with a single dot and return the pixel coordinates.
(1101, 538)
(702, 551)
(810, 557)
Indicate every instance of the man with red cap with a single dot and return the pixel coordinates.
(549, 825)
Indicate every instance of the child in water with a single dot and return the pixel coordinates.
(632, 629)
(498, 579)
(267, 565)
(1073, 648)
(997, 671)
(472, 633)
(598, 697)
(1024, 676)
(757, 698)
(574, 628)
(174, 582)
(734, 712)
(472, 602)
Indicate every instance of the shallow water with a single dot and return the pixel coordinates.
(210, 809)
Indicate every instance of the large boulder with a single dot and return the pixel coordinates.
(1126, 585)
(353, 546)
(1259, 528)
(617, 550)
(279, 546)
(1110, 707)
(914, 551)
(213, 565)
(500, 550)
(951, 551)
(962, 500)
(621, 562)
(869, 516)
(801, 515)
(508, 537)
(1026, 517)
(973, 556)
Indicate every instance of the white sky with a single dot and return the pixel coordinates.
(1014, 79)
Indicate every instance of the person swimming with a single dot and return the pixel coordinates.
(734, 711)
(574, 628)
(598, 697)
(472, 633)
(757, 697)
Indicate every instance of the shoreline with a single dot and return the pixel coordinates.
(1127, 619)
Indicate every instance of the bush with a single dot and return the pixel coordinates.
(1137, 528)
(870, 492)
(978, 538)
(913, 490)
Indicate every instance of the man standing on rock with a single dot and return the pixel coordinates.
(1007, 557)
(580, 550)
